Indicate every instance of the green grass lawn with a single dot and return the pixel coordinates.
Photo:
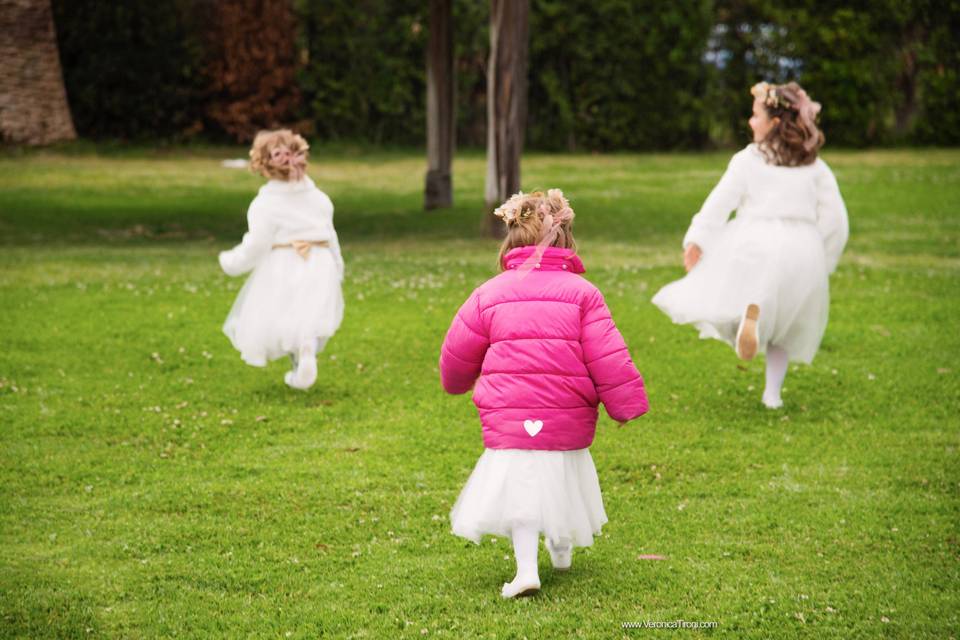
(152, 485)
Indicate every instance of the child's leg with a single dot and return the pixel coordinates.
(561, 553)
(777, 362)
(306, 372)
(526, 540)
(748, 333)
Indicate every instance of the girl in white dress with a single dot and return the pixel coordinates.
(292, 303)
(760, 281)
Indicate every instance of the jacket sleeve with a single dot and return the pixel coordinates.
(716, 209)
(257, 241)
(618, 383)
(832, 221)
(463, 350)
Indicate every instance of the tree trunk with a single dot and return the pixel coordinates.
(506, 103)
(440, 106)
(33, 100)
(908, 105)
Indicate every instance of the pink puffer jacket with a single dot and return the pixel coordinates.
(546, 352)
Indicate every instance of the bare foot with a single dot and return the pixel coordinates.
(748, 338)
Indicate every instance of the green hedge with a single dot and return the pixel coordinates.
(618, 74)
(132, 69)
(604, 74)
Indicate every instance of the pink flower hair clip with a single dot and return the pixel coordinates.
(296, 162)
(768, 94)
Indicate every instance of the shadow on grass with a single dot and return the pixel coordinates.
(30, 220)
(143, 211)
(34, 604)
(271, 390)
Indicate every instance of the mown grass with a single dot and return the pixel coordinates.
(151, 485)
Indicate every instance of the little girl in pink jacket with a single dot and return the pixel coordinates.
(537, 345)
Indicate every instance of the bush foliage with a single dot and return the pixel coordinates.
(604, 74)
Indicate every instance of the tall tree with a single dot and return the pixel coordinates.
(33, 101)
(441, 121)
(506, 102)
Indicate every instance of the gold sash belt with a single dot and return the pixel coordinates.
(302, 247)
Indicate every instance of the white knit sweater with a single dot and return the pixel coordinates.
(281, 213)
(757, 190)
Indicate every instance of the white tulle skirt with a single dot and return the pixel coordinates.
(776, 263)
(556, 491)
(286, 302)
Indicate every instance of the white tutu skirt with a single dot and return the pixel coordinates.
(285, 303)
(776, 263)
(555, 491)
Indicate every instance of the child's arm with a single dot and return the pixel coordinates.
(832, 218)
(619, 384)
(334, 241)
(256, 242)
(335, 248)
(716, 209)
(461, 355)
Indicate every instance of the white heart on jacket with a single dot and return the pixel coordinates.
(533, 428)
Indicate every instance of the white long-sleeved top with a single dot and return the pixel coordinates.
(281, 213)
(757, 189)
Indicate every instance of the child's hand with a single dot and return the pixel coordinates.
(691, 256)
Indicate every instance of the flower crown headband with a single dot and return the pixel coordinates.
(772, 96)
(282, 156)
(512, 209)
(552, 221)
(294, 161)
(767, 93)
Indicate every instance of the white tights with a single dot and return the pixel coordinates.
(526, 539)
(777, 362)
(305, 366)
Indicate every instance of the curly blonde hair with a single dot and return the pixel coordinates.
(524, 216)
(280, 155)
